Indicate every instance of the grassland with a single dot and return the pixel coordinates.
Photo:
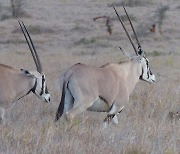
(64, 34)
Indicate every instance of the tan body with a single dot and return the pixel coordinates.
(111, 82)
(104, 89)
(14, 84)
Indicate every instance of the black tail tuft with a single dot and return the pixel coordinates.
(61, 105)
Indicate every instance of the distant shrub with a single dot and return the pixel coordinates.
(17, 8)
(85, 41)
(174, 115)
(133, 150)
(178, 7)
(155, 18)
(160, 14)
(4, 12)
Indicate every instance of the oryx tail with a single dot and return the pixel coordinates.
(61, 105)
(60, 110)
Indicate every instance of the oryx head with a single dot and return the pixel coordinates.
(146, 73)
(40, 87)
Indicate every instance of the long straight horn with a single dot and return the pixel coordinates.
(31, 46)
(126, 31)
(139, 46)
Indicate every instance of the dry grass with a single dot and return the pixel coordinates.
(147, 125)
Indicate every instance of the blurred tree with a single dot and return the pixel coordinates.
(17, 7)
(160, 13)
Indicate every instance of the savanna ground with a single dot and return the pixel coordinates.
(64, 33)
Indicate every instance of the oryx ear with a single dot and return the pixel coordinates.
(127, 54)
(27, 73)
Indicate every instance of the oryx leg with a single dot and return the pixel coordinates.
(112, 115)
(117, 106)
(83, 98)
(79, 107)
(69, 101)
(68, 104)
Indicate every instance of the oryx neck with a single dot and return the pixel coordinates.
(28, 85)
(34, 87)
(133, 72)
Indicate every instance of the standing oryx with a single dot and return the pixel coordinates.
(15, 84)
(84, 85)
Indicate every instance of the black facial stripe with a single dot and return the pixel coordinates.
(46, 91)
(34, 88)
(148, 74)
(42, 88)
(147, 64)
(141, 74)
(147, 68)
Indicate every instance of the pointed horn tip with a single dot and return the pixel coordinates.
(31, 46)
(115, 11)
(114, 7)
(23, 24)
(19, 22)
(125, 9)
(132, 29)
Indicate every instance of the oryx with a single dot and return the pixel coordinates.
(84, 85)
(15, 84)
